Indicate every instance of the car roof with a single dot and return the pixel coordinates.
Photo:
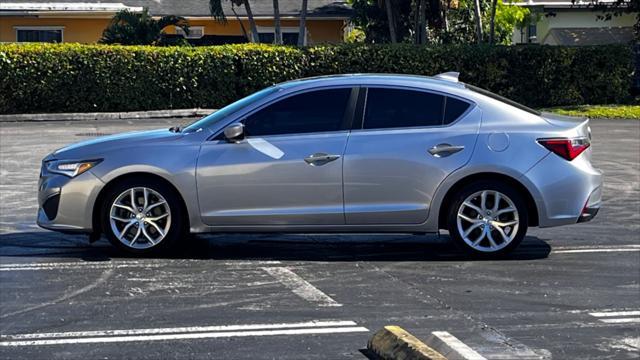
(446, 80)
(446, 83)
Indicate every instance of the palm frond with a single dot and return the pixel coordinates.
(215, 8)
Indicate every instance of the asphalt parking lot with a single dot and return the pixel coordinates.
(567, 293)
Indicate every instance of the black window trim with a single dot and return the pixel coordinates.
(362, 107)
(347, 123)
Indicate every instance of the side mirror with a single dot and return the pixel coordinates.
(234, 132)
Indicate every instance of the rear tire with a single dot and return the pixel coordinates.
(142, 216)
(483, 228)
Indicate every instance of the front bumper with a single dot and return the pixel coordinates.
(566, 192)
(66, 204)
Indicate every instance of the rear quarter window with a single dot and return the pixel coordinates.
(453, 109)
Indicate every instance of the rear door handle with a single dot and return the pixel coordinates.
(444, 150)
(319, 159)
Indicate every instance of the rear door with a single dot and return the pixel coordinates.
(408, 142)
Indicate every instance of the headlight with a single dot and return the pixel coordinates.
(71, 168)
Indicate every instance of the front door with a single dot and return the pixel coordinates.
(288, 170)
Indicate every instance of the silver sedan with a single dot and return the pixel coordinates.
(346, 153)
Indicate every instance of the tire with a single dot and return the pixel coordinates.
(144, 232)
(484, 237)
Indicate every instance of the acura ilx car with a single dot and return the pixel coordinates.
(343, 154)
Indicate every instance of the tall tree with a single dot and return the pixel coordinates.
(276, 19)
(131, 28)
(302, 34)
(215, 8)
(391, 20)
(478, 20)
(492, 22)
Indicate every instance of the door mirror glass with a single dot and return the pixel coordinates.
(234, 132)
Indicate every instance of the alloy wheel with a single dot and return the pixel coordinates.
(488, 221)
(140, 218)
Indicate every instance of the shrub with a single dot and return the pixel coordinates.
(82, 78)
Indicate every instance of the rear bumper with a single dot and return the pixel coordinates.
(566, 192)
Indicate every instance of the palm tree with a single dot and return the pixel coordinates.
(130, 28)
(276, 19)
(492, 24)
(391, 20)
(215, 8)
(302, 34)
(478, 18)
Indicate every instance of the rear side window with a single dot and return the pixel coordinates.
(314, 111)
(454, 108)
(394, 108)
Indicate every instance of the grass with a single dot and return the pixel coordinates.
(599, 111)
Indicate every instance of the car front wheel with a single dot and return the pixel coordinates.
(142, 216)
(488, 219)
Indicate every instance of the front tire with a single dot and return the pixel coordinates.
(142, 216)
(487, 219)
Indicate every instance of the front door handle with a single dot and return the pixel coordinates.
(319, 159)
(444, 150)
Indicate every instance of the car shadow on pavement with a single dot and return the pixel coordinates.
(288, 247)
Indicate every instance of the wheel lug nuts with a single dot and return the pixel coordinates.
(140, 209)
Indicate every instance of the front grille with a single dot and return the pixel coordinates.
(50, 206)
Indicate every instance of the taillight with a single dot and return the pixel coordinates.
(566, 148)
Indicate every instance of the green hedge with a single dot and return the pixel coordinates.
(83, 78)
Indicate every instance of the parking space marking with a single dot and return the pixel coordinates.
(115, 264)
(300, 286)
(451, 347)
(182, 333)
(617, 317)
(596, 249)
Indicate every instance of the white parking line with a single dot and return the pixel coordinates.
(621, 321)
(452, 348)
(596, 249)
(617, 316)
(182, 333)
(300, 286)
(614, 313)
(115, 264)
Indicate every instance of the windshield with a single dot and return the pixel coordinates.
(215, 117)
(503, 99)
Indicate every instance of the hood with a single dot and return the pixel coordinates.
(101, 145)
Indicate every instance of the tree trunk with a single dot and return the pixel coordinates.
(244, 31)
(276, 18)
(252, 22)
(476, 8)
(492, 31)
(391, 21)
(423, 22)
(302, 34)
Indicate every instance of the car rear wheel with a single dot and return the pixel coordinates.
(488, 219)
(142, 216)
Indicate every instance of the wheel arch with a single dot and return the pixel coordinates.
(532, 209)
(97, 227)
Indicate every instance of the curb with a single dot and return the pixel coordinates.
(154, 114)
(394, 343)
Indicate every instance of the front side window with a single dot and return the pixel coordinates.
(51, 35)
(314, 111)
(397, 108)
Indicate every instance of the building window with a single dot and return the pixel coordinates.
(51, 34)
(267, 35)
(532, 33)
(195, 32)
